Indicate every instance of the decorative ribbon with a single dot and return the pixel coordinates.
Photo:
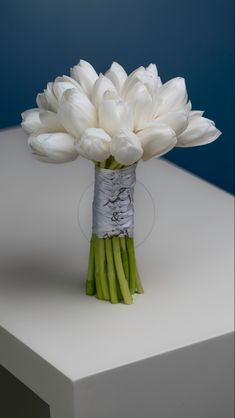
(113, 205)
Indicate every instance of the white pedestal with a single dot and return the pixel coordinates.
(169, 354)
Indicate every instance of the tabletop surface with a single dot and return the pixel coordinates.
(184, 229)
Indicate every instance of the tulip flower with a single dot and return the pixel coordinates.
(53, 147)
(114, 115)
(117, 75)
(76, 112)
(156, 140)
(126, 147)
(200, 131)
(85, 75)
(102, 85)
(31, 121)
(171, 96)
(41, 120)
(94, 144)
(50, 98)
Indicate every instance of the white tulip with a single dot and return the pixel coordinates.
(177, 120)
(101, 86)
(59, 87)
(114, 115)
(141, 103)
(38, 120)
(94, 144)
(85, 75)
(53, 147)
(147, 76)
(117, 75)
(171, 96)
(31, 121)
(126, 147)
(76, 112)
(50, 99)
(200, 131)
(157, 140)
(42, 101)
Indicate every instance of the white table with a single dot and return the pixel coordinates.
(166, 356)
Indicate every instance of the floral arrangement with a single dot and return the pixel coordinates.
(114, 120)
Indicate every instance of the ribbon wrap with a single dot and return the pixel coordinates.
(113, 204)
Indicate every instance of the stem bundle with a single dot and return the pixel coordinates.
(112, 271)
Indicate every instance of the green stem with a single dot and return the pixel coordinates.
(124, 255)
(102, 269)
(135, 284)
(113, 165)
(90, 283)
(99, 292)
(139, 287)
(127, 298)
(111, 271)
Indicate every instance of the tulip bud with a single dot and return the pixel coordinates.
(157, 140)
(85, 75)
(177, 120)
(117, 75)
(114, 115)
(76, 112)
(101, 86)
(31, 121)
(94, 144)
(171, 96)
(141, 103)
(200, 131)
(126, 147)
(53, 147)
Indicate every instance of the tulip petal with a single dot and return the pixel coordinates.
(200, 131)
(117, 75)
(94, 144)
(76, 112)
(53, 147)
(67, 79)
(177, 120)
(157, 140)
(60, 87)
(147, 76)
(171, 96)
(126, 147)
(101, 86)
(85, 75)
(31, 121)
(114, 115)
(42, 102)
(141, 102)
(50, 97)
(151, 70)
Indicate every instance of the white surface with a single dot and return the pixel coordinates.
(186, 265)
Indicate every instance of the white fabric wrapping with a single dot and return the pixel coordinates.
(113, 204)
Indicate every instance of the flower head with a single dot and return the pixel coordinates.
(127, 116)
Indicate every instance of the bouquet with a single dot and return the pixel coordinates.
(114, 120)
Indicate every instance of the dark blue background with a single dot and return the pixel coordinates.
(191, 38)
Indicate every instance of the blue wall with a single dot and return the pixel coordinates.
(192, 38)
